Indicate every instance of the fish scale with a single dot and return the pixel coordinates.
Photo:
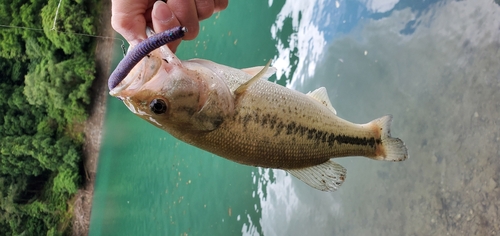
(239, 115)
(259, 144)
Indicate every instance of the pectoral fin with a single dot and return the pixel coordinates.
(326, 177)
(255, 70)
(321, 95)
(264, 73)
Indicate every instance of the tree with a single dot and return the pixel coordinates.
(71, 22)
(47, 85)
(9, 45)
(18, 157)
(66, 182)
(45, 77)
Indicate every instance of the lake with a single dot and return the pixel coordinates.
(432, 64)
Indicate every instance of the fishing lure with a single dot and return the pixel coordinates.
(140, 51)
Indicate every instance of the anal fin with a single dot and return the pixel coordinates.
(326, 177)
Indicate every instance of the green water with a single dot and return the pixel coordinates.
(149, 183)
(432, 64)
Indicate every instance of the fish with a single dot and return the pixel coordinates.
(239, 115)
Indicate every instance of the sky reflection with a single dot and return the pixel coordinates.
(433, 65)
(300, 49)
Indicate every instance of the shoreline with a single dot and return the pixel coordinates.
(82, 201)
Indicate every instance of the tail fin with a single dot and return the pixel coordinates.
(393, 149)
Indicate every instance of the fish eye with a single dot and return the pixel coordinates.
(158, 106)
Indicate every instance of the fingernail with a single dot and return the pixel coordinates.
(162, 12)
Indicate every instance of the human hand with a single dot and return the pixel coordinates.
(130, 17)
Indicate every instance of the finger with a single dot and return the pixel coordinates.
(220, 5)
(128, 20)
(185, 12)
(132, 29)
(204, 8)
(163, 19)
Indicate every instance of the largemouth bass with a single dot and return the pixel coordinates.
(239, 115)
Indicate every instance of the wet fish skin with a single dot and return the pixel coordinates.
(258, 123)
(290, 131)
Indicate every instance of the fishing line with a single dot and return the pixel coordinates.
(54, 29)
(55, 17)
(81, 34)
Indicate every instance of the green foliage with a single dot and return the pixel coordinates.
(47, 85)
(18, 158)
(65, 182)
(72, 17)
(10, 48)
(45, 78)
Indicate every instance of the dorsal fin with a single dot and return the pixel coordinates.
(261, 74)
(326, 177)
(321, 96)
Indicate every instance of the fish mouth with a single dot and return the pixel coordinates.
(140, 51)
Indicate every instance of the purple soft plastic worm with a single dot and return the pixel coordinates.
(140, 51)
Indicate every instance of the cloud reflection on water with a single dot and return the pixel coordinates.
(283, 200)
(299, 52)
(442, 69)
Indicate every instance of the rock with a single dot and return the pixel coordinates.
(434, 158)
(437, 204)
(492, 212)
(490, 185)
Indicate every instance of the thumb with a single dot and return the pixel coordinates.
(163, 19)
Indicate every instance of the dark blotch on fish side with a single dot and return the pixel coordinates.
(246, 119)
(140, 51)
(331, 139)
(273, 121)
(342, 139)
(265, 119)
(279, 128)
(292, 128)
